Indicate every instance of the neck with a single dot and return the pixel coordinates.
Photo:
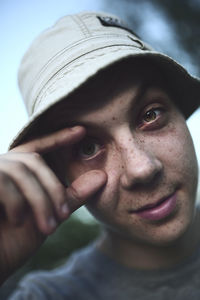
(149, 257)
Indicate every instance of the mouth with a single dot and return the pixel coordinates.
(159, 210)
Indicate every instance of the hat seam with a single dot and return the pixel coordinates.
(58, 54)
(84, 29)
(153, 54)
(43, 93)
(75, 49)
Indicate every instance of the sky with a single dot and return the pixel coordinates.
(21, 21)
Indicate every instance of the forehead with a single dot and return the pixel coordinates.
(101, 89)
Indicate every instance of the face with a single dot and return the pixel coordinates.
(140, 139)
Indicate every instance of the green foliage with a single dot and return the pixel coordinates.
(71, 235)
(182, 17)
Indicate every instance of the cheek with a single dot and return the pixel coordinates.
(76, 167)
(107, 161)
(181, 152)
(176, 151)
(109, 205)
(105, 204)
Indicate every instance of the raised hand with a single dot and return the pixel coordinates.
(33, 201)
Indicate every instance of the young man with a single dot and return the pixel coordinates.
(107, 129)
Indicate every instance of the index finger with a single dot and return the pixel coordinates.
(52, 141)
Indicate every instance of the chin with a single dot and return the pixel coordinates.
(173, 230)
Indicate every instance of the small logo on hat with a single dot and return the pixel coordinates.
(114, 22)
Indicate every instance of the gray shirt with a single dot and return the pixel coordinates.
(90, 275)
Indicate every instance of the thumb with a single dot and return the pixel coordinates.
(85, 187)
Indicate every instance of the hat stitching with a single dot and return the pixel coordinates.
(81, 25)
(58, 70)
(45, 89)
(48, 89)
(58, 54)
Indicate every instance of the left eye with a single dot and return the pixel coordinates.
(151, 115)
(88, 149)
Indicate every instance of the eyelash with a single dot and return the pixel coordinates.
(155, 123)
(88, 157)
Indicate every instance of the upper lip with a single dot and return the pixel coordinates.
(151, 205)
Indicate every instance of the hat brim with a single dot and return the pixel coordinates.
(83, 68)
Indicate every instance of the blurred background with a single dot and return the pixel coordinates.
(170, 26)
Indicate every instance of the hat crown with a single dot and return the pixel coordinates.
(76, 48)
(51, 50)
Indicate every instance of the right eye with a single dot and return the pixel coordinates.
(88, 149)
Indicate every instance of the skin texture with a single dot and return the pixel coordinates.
(33, 202)
(145, 160)
(130, 147)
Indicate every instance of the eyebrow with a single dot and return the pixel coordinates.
(137, 97)
(142, 90)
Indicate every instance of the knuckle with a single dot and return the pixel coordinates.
(36, 156)
(20, 167)
(4, 178)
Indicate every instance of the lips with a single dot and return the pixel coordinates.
(158, 210)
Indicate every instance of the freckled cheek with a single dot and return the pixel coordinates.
(178, 156)
(104, 206)
(182, 151)
(110, 164)
(188, 164)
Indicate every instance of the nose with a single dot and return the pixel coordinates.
(141, 166)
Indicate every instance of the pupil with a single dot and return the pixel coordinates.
(88, 149)
(150, 115)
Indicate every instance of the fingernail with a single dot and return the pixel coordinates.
(75, 128)
(52, 223)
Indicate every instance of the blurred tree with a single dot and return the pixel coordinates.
(70, 236)
(185, 17)
(173, 26)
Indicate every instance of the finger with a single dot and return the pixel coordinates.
(34, 193)
(53, 141)
(84, 187)
(12, 201)
(50, 182)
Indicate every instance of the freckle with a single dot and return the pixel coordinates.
(113, 118)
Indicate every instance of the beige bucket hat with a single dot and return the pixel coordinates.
(65, 56)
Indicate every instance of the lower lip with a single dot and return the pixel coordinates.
(160, 211)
